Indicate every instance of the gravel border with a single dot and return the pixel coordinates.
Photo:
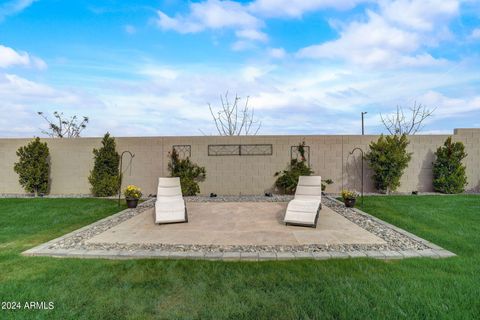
(399, 243)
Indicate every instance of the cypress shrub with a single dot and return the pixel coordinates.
(33, 167)
(388, 158)
(448, 171)
(104, 178)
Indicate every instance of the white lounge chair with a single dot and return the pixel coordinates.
(303, 210)
(170, 205)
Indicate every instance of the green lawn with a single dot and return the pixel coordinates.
(335, 289)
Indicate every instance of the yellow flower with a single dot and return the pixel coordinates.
(133, 192)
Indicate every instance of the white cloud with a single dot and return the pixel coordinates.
(18, 89)
(422, 15)
(295, 9)
(289, 97)
(242, 45)
(277, 53)
(252, 34)
(475, 34)
(245, 19)
(252, 73)
(22, 87)
(448, 107)
(323, 98)
(425, 21)
(22, 98)
(38, 63)
(372, 43)
(398, 35)
(12, 7)
(210, 14)
(10, 58)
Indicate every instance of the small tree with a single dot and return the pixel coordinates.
(33, 167)
(104, 177)
(64, 127)
(388, 158)
(448, 171)
(288, 179)
(398, 123)
(232, 120)
(189, 173)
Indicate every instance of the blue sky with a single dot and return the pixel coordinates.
(308, 66)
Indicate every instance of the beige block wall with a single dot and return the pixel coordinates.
(72, 160)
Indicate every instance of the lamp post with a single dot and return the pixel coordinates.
(361, 151)
(363, 126)
(132, 155)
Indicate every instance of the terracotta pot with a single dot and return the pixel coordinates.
(132, 203)
(349, 203)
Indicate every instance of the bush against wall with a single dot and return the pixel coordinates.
(190, 174)
(104, 178)
(388, 158)
(33, 167)
(448, 171)
(288, 179)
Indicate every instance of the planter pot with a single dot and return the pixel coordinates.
(349, 203)
(132, 203)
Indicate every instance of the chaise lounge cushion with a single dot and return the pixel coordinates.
(302, 212)
(170, 206)
(305, 207)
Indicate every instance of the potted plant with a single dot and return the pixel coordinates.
(132, 195)
(349, 198)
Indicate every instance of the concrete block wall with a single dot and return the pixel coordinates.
(72, 159)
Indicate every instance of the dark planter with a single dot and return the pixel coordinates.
(132, 203)
(349, 203)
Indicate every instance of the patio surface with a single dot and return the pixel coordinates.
(237, 223)
(240, 228)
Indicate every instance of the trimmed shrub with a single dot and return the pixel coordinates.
(104, 178)
(189, 173)
(33, 167)
(288, 179)
(388, 158)
(325, 183)
(448, 171)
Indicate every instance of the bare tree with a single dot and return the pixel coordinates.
(64, 127)
(399, 123)
(235, 120)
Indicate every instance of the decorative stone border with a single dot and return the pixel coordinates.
(400, 243)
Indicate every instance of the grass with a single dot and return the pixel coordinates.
(335, 289)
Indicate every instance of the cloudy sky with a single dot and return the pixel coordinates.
(309, 66)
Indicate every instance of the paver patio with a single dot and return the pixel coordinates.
(240, 230)
(234, 223)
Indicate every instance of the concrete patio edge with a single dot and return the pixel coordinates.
(235, 256)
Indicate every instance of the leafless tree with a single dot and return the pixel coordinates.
(235, 120)
(410, 124)
(64, 127)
